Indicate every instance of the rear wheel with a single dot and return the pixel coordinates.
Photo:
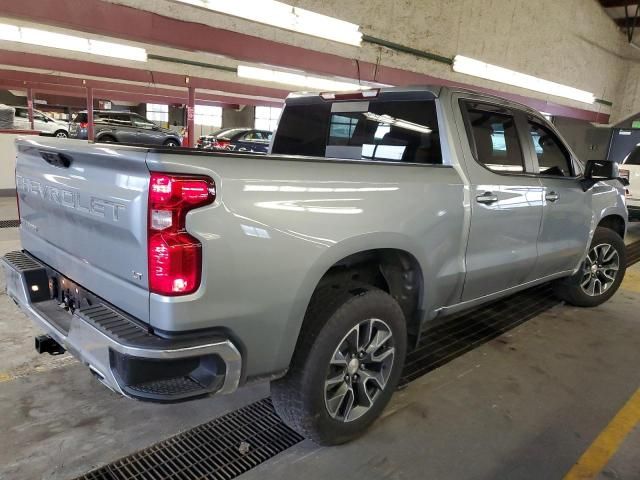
(107, 139)
(601, 273)
(346, 366)
(171, 143)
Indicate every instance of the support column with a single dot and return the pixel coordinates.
(191, 114)
(30, 107)
(90, 129)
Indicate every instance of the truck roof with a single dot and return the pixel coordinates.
(410, 92)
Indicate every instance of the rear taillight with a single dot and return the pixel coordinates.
(84, 124)
(174, 256)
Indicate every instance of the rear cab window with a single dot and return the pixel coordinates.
(387, 130)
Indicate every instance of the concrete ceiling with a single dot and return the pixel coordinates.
(188, 46)
(625, 13)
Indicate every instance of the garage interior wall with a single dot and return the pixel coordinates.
(629, 99)
(557, 41)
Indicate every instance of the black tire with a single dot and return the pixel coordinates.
(299, 397)
(107, 139)
(61, 134)
(171, 143)
(570, 289)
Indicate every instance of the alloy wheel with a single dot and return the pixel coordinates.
(359, 370)
(600, 269)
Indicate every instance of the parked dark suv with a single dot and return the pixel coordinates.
(123, 127)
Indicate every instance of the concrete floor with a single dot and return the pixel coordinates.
(525, 405)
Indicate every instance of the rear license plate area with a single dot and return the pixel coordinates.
(69, 295)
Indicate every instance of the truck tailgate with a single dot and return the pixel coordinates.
(83, 211)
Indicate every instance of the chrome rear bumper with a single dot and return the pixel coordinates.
(105, 340)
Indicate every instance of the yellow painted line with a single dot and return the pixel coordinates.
(608, 442)
(5, 377)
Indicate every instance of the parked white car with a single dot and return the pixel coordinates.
(41, 122)
(631, 169)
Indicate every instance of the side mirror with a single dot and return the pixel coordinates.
(597, 170)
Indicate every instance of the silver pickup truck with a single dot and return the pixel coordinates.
(176, 274)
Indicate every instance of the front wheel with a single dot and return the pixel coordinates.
(346, 366)
(600, 274)
(61, 134)
(171, 143)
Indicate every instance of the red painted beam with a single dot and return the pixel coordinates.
(191, 118)
(84, 68)
(119, 21)
(90, 129)
(13, 79)
(30, 107)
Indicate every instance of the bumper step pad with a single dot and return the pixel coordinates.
(122, 352)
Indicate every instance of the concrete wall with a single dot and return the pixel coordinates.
(589, 142)
(572, 42)
(8, 98)
(245, 117)
(7, 164)
(628, 105)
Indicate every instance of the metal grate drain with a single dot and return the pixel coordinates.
(233, 444)
(220, 449)
(9, 223)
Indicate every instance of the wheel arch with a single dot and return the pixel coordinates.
(401, 273)
(614, 222)
(99, 136)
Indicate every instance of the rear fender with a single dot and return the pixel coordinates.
(329, 258)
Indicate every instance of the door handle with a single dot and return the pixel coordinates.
(552, 197)
(487, 197)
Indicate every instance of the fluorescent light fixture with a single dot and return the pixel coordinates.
(297, 79)
(34, 36)
(480, 69)
(282, 15)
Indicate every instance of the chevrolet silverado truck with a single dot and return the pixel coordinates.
(175, 274)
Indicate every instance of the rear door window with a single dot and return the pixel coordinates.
(141, 122)
(118, 119)
(553, 157)
(494, 138)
